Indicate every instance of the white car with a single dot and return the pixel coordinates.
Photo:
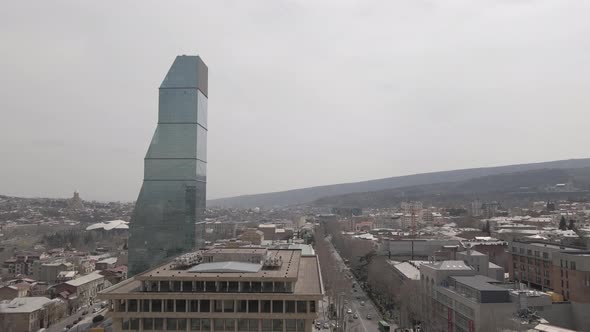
(362, 302)
(349, 311)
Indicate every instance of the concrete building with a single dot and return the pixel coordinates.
(106, 263)
(269, 231)
(571, 275)
(412, 212)
(244, 289)
(252, 235)
(532, 262)
(172, 197)
(10, 292)
(497, 250)
(29, 314)
(481, 264)
(48, 272)
(455, 298)
(85, 288)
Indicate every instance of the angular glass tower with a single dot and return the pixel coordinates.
(172, 198)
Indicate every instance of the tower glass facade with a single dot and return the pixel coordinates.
(172, 197)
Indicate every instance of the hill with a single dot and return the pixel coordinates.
(307, 195)
(513, 189)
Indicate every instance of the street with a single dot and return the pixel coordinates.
(82, 325)
(356, 300)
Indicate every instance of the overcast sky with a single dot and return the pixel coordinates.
(301, 93)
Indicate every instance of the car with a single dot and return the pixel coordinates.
(103, 304)
(326, 325)
(369, 316)
(354, 290)
(94, 310)
(69, 326)
(362, 302)
(84, 313)
(349, 311)
(65, 329)
(355, 316)
(98, 318)
(318, 325)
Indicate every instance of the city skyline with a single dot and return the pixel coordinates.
(348, 91)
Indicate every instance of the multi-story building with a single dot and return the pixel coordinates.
(85, 288)
(241, 289)
(22, 264)
(532, 262)
(172, 197)
(29, 314)
(252, 235)
(571, 275)
(412, 213)
(48, 272)
(456, 298)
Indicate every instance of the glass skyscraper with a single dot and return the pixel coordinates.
(172, 198)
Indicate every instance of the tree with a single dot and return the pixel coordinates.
(572, 224)
(562, 224)
(486, 227)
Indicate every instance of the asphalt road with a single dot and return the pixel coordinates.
(355, 297)
(83, 325)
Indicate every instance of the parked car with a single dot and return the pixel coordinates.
(355, 316)
(326, 325)
(369, 316)
(362, 302)
(97, 318)
(349, 311)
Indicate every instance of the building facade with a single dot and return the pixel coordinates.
(30, 314)
(240, 289)
(172, 198)
(571, 275)
(531, 263)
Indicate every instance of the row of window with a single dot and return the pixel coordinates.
(568, 264)
(217, 286)
(530, 252)
(216, 325)
(243, 306)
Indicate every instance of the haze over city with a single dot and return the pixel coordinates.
(302, 93)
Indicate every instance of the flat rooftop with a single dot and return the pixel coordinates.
(552, 246)
(302, 269)
(287, 271)
(479, 282)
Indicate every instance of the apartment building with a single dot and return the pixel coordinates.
(571, 275)
(229, 289)
(85, 287)
(29, 314)
(532, 262)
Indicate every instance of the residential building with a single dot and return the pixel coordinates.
(172, 198)
(10, 292)
(412, 214)
(243, 289)
(48, 272)
(571, 275)
(532, 262)
(481, 264)
(252, 235)
(85, 288)
(106, 263)
(29, 314)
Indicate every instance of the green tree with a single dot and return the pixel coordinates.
(562, 224)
